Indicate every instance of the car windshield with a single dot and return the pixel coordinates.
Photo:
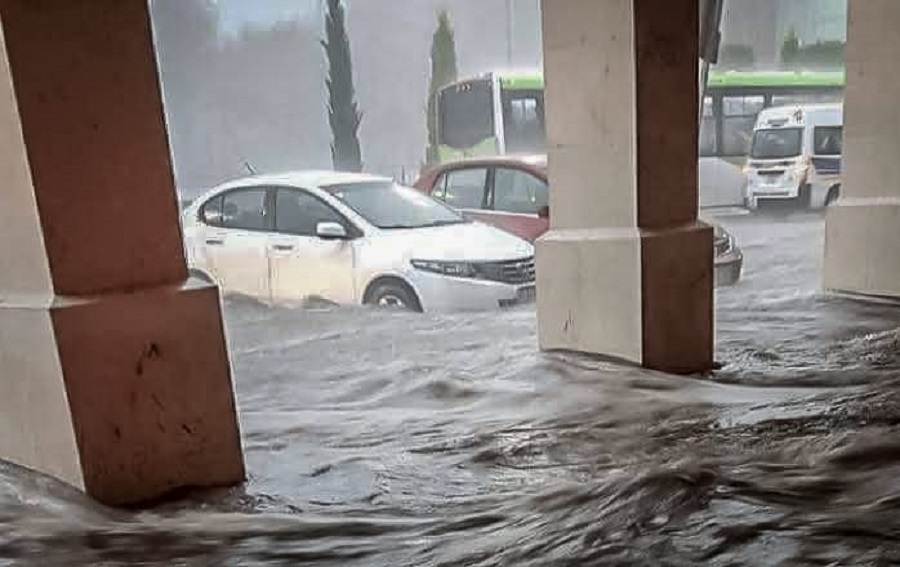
(777, 143)
(389, 206)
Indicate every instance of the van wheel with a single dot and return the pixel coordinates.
(804, 197)
(833, 194)
(392, 294)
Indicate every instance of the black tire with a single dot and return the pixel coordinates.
(804, 197)
(393, 294)
(833, 195)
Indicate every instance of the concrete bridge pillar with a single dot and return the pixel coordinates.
(114, 374)
(626, 269)
(862, 242)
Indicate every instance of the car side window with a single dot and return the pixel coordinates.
(245, 209)
(211, 212)
(465, 188)
(517, 191)
(438, 191)
(242, 209)
(299, 213)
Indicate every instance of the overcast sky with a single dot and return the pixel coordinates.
(236, 13)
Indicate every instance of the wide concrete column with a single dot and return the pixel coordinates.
(114, 373)
(862, 242)
(626, 269)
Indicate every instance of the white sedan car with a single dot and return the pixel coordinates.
(352, 238)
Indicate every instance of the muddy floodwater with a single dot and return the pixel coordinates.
(383, 439)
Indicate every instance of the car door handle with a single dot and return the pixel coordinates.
(215, 242)
(282, 247)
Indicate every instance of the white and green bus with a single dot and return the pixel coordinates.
(503, 113)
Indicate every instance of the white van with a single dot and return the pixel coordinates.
(796, 155)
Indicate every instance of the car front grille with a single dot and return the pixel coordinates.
(510, 272)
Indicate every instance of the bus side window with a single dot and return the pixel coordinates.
(523, 116)
(738, 120)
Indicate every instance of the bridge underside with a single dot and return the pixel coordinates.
(115, 376)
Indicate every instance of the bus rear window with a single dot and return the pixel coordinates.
(778, 143)
(466, 114)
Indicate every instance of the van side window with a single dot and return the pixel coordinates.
(828, 140)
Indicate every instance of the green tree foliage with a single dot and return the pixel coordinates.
(443, 72)
(819, 55)
(343, 114)
(790, 47)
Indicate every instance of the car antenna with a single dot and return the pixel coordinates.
(249, 168)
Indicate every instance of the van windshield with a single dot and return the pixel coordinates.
(777, 143)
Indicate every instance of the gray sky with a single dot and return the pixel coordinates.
(236, 13)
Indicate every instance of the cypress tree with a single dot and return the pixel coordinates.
(343, 113)
(443, 73)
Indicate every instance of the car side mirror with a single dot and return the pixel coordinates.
(331, 231)
(544, 212)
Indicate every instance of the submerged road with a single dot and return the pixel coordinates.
(390, 439)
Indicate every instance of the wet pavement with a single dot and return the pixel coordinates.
(389, 439)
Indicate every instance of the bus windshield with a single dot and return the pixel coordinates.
(778, 143)
(465, 114)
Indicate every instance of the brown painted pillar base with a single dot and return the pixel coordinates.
(115, 374)
(626, 269)
(127, 396)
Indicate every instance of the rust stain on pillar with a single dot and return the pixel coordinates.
(94, 127)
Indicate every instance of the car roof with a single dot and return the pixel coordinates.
(534, 160)
(309, 179)
(306, 179)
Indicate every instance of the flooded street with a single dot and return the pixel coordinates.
(383, 439)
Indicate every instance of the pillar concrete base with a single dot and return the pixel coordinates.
(639, 295)
(128, 397)
(861, 247)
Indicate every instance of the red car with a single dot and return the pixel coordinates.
(512, 193)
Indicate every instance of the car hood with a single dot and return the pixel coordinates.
(471, 242)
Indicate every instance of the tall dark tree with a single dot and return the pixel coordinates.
(343, 113)
(443, 73)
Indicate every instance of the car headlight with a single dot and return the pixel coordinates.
(452, 269)
(724, 242)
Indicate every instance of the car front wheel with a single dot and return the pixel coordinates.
(393, 295)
